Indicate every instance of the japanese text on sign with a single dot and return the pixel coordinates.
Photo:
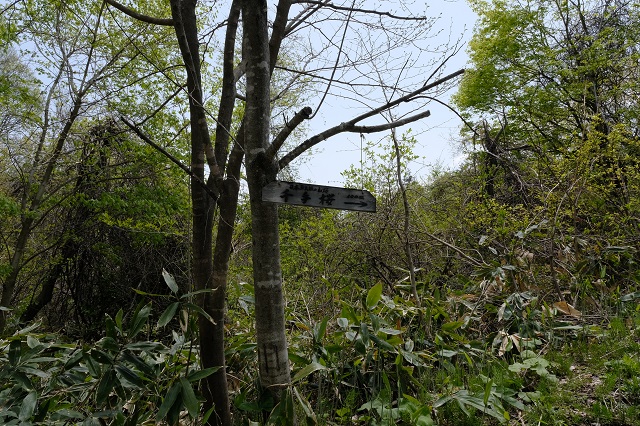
(310, 195)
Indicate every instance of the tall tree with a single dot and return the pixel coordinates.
(82, 64)
(554, 91)
(215, 168)
(554, 71)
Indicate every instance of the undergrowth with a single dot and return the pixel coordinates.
(381, 361)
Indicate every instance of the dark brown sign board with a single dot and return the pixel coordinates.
(311, 195)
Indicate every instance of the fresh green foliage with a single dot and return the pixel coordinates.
(526, 256)
(119, 380)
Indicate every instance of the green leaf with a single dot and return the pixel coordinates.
(145, 346)
(168, 401)
(15, 348)
(364, 333)
(310, 416)
(349, 313)
(189, 398)
(109, 343)
(200, 311)
(101, 356)
(28, 406)
(201, 291)
(110, 327)
(35, 372)
(171, 282)
(138, 362)
(168, 314)
(282, 413)
(32, 342)
(22, 379)
(306, 370)
(517, 367)
(107, 382)
(441, 401)
(139, 320)
(412, 358)
(389, 331)
(487, 391)
(451, 326)
(630, 296)
(73, 360)
(147, 294)
(319, 329)
(66, 414)
(424, 420)
(208, 414)
(343, 322)
(383, 344)
(119, 318)
(201, 374)
(27, 329)
(43, 410)
(129, 376)
(374, 295)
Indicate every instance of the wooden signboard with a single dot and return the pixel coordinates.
(311, 195)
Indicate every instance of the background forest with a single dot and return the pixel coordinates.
(504, 291)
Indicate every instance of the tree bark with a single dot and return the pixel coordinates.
(214, 387)
(271, 339)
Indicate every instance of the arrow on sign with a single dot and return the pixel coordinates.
(311, 195)
(361, 203)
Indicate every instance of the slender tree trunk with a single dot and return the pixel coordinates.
(203, 207)
(29, 218)
(407, 216)
(212, 335)
(267, 275)
(69, 249)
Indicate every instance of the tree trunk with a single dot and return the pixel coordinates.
(29, 217)
(267, 275)
(204, 276)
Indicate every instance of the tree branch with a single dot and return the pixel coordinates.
(228, 96)
(302, 115)
(278, 31)
(140, 17)
(173, 159)
(350, 126)
(369, 11)
(390, 125)
(303, 15)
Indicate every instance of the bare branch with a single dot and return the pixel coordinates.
(350, 126)
(228, 96)
(304, 15)
(368, 11)
(303, 114)
(173, 159)
(335, 67)
(471, 260)
(9, 6)
(140, 17)
(279, 31)
(390, 125)
(452, 109)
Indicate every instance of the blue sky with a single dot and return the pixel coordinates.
(436, 134)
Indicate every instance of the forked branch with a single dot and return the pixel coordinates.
(289, 126)
(350, 126)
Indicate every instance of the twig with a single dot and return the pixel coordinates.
(173, 159)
